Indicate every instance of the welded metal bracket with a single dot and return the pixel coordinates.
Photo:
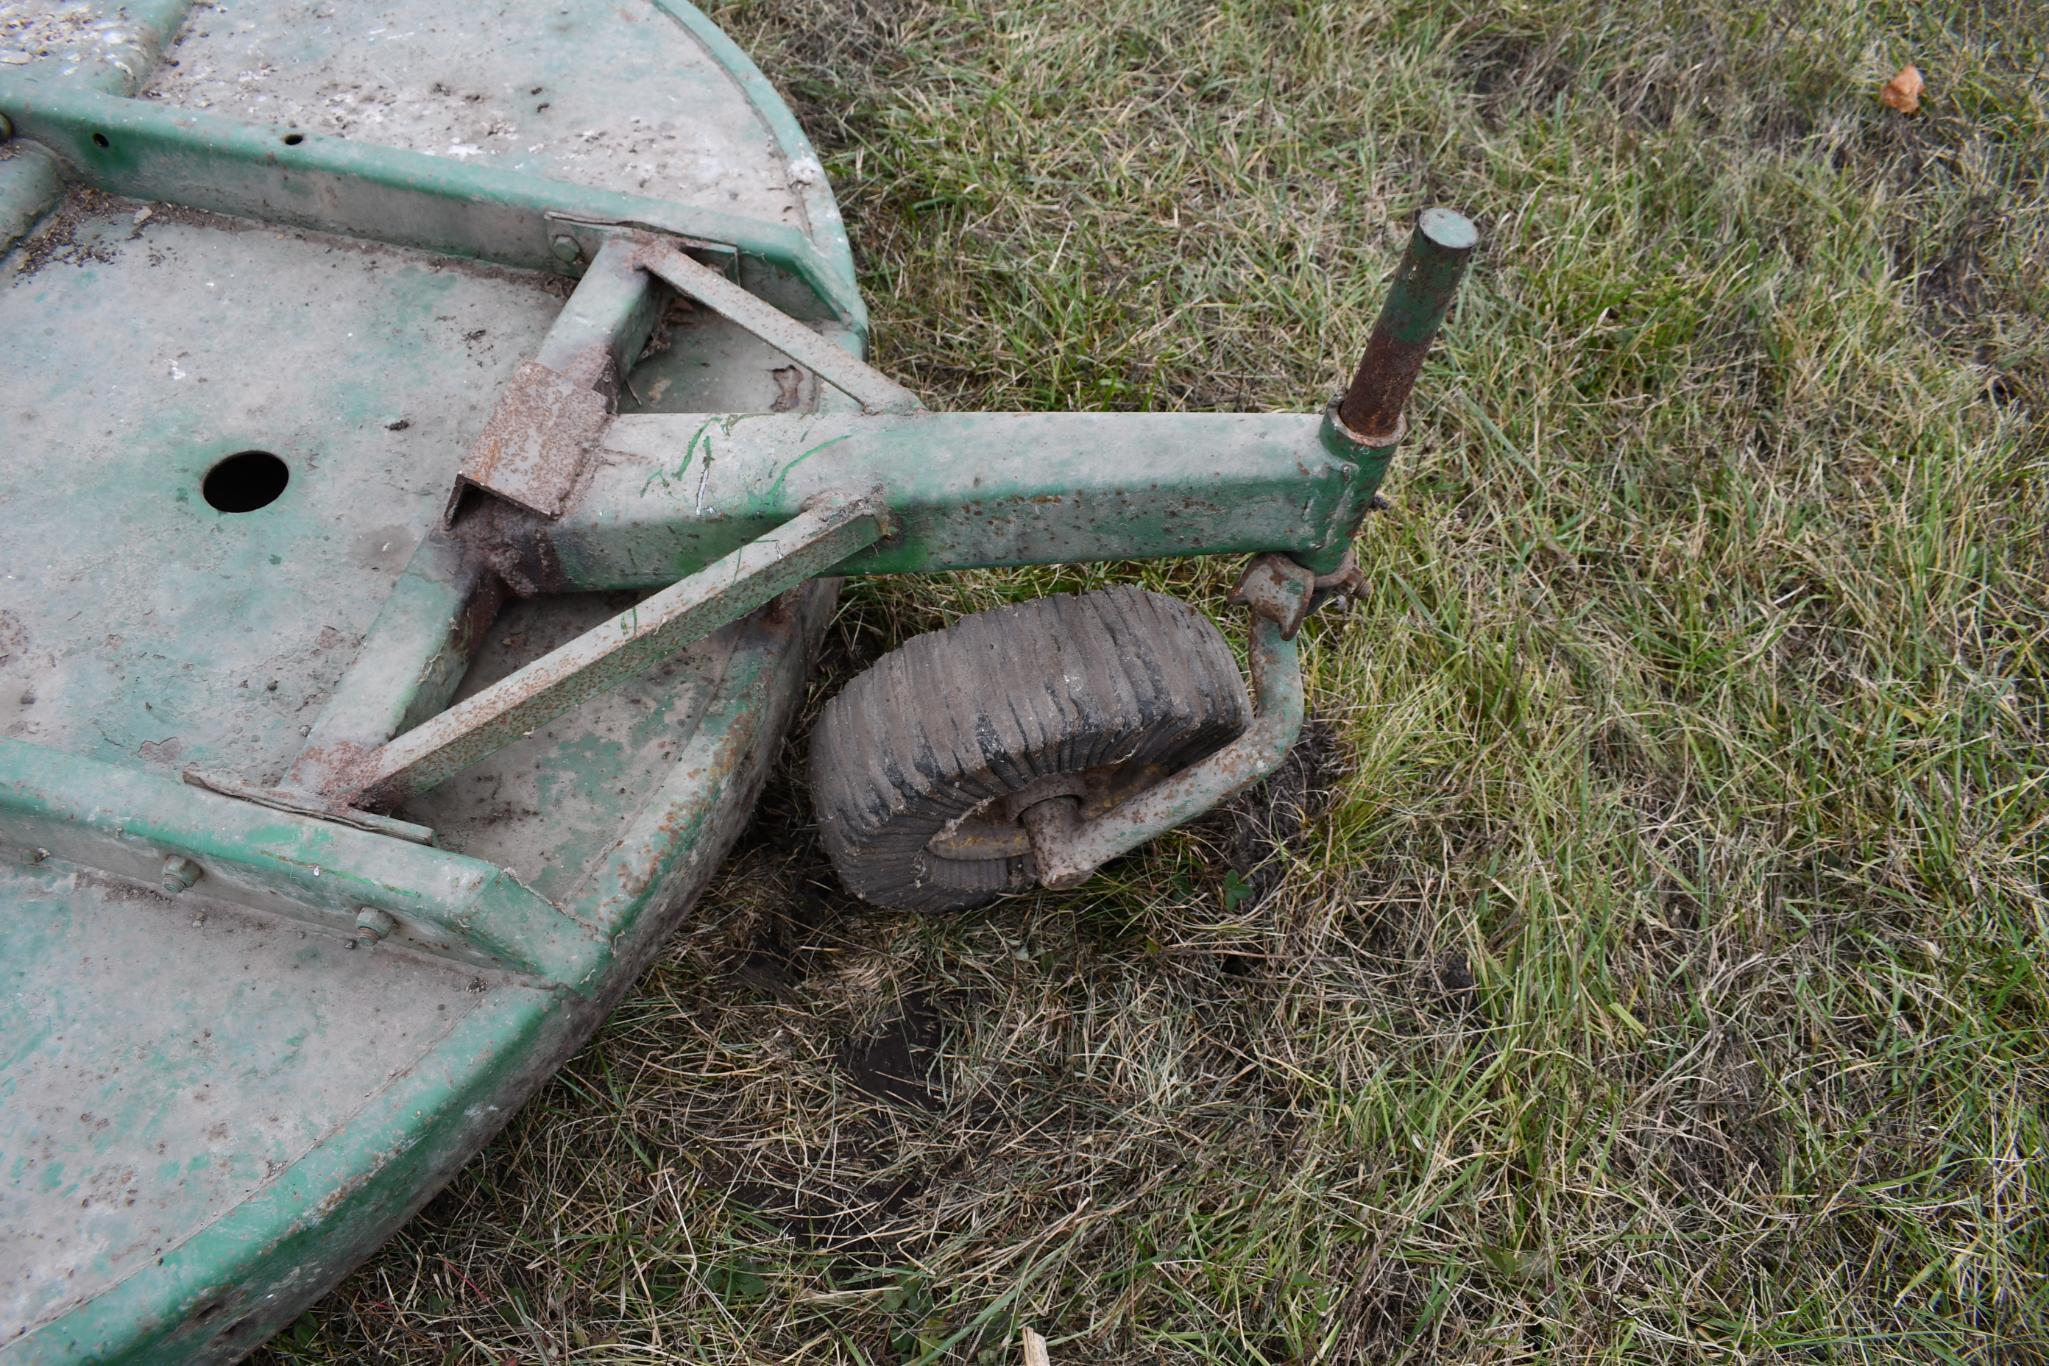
(534, 444)
(608, 654)
(533, 447)
(550, 417)
(1273, 587)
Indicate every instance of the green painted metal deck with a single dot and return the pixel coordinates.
(213, 1104)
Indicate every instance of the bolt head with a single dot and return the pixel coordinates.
(566, 249)
(179, 873)
(372, 925)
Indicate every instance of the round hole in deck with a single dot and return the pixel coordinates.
(99, 139)
(294, 139)
(245, 481)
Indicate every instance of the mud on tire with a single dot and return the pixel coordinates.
(920, 766)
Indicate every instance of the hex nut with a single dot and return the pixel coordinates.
(180, 873)
(373, 925)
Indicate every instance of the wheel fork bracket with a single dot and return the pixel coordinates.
(1067, 850)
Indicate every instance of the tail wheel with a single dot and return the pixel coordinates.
(922, 767)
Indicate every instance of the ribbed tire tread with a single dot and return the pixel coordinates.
(953, 718)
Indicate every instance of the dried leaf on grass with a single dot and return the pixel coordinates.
(1903, 92)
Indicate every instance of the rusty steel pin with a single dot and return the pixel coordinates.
(1371, 409)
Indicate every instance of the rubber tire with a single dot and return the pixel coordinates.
(1127, 684)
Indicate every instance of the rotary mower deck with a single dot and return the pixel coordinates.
(428, 451)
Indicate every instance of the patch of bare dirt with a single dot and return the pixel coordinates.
(1278, 816)
(58, 239)
(895, 1062)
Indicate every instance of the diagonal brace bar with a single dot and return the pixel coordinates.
(607, 655)
(873, 390)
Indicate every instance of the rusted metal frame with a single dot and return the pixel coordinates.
(150, 828)
(983, 489)
(809, 545)
(419, 647)
(873, 390)
(1051, 490)
(532, 449)
(203, 160)
(1066, 850)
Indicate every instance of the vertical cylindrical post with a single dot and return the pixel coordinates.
(1371, 409)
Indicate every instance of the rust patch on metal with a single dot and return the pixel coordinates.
(1372, 408)
(1438, 249)
(336, 771)
(533, 448)
(479, 612)
(1278, 589)
(509, 541)
(590, 367)
(789, 388)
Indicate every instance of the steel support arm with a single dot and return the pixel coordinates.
(1067, 850)
(668, 494)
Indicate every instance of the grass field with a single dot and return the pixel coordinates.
(1645, 960)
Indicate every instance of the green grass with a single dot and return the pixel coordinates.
(1661, 976)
